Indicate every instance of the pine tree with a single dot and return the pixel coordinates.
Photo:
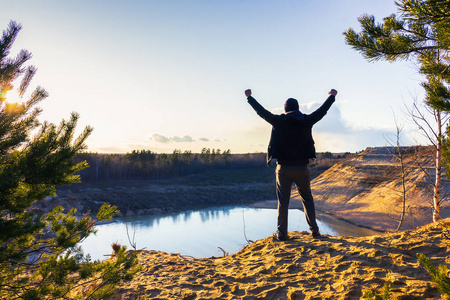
(39, 257)
(438, 275)
(420, 32)
(385, 294)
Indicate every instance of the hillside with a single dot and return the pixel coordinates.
(366, 189)
(300, 268)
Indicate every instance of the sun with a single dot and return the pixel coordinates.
(13, 97)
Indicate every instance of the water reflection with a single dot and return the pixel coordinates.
(210, 215)
(200, 233)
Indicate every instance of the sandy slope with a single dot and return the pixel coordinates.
(300, 268)
(366, 190)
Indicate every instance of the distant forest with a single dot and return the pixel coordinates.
(146, 164)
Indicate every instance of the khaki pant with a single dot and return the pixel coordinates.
(301, 176)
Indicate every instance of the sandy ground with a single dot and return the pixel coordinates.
(300, 268)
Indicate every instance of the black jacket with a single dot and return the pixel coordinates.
(291, 139)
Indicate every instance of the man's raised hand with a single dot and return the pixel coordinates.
(332, 92)
(248, 93)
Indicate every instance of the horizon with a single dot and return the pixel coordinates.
(171, 75)
(244, 153)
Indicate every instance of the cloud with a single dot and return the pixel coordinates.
(332, 133)
(184, 139)
(160, 138)
(176, 139)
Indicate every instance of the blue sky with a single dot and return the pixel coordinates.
(165, 75)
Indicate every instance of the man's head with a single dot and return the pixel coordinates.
(290, 105)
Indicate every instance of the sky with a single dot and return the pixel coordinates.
(165, 75)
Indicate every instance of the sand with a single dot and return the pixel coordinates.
(366, 190)
(299, 268)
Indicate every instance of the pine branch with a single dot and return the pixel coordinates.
(438, 276)
(8, 38)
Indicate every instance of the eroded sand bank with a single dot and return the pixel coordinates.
(300, 268)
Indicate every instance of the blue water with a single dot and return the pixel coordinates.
(200, 233)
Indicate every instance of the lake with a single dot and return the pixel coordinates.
(200, 233)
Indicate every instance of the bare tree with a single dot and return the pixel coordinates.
(398, 154)
(433, 133)
(132, 236)
(438, 168)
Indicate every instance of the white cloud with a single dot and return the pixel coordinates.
(158, 138)
(332, 133)
(184, 139)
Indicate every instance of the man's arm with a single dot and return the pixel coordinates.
(322, 111)
(260, 110)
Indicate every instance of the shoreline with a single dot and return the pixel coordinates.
(231, 240)
(322, 215)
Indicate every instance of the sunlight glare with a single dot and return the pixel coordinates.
(13, 97)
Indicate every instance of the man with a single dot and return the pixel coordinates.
(292, 145)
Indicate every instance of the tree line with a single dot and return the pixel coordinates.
(149, 165)
(146, 164)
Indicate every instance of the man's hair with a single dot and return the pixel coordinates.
(290, 105)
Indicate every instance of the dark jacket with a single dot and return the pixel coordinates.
(291, 139)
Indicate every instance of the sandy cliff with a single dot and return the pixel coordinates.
(366, 189)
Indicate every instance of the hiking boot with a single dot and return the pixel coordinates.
(315, 234)
(280, 237)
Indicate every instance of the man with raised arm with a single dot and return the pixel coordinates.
(292, 145)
